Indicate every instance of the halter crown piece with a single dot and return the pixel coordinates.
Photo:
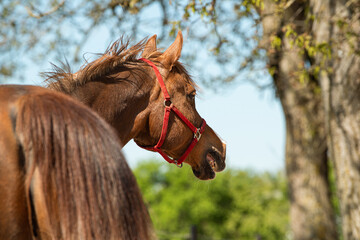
(169, 106)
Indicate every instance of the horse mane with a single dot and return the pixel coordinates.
(91, 192)
(118, 57)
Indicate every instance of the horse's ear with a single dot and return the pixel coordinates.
(172, 54)
(150, 46)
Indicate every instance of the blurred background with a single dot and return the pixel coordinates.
(258, 64)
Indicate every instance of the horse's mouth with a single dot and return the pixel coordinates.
(212, 162)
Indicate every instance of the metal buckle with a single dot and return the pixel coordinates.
(167, 102)
(178, 165)
(197, 134)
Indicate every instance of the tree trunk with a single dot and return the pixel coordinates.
(311, 212)
(340, 81)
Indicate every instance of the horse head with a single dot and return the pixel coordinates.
(175, 93)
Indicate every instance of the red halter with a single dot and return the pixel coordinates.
(169, 106)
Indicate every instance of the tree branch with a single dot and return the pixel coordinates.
(39, 15)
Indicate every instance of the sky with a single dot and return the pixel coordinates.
(249, 121)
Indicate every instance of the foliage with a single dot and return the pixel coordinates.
(232, 30)
(237, 204)
(38, 31)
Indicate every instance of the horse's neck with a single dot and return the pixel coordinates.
(118, 103)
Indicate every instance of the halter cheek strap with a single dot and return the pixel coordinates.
(169, 106)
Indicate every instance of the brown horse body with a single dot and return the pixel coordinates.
(125, 92)
(62, 174)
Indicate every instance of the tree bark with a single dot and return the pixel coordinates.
(311, 212)
(340, 82)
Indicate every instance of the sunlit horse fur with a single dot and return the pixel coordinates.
(62, 174)
(125, 92)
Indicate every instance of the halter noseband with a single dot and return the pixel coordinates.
(169, 106)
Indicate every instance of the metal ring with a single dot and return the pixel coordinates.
(167, 102)
(179, 165)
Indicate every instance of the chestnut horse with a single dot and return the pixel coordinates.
(131, 94)
(62, 173)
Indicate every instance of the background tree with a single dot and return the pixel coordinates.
(337, 28)
(238, 205)
(286, 38)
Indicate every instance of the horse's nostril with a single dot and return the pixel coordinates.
(216, 160)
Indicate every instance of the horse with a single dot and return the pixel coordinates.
(62, 173)
(135, 95)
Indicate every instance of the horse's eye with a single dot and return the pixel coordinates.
(191, 96)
